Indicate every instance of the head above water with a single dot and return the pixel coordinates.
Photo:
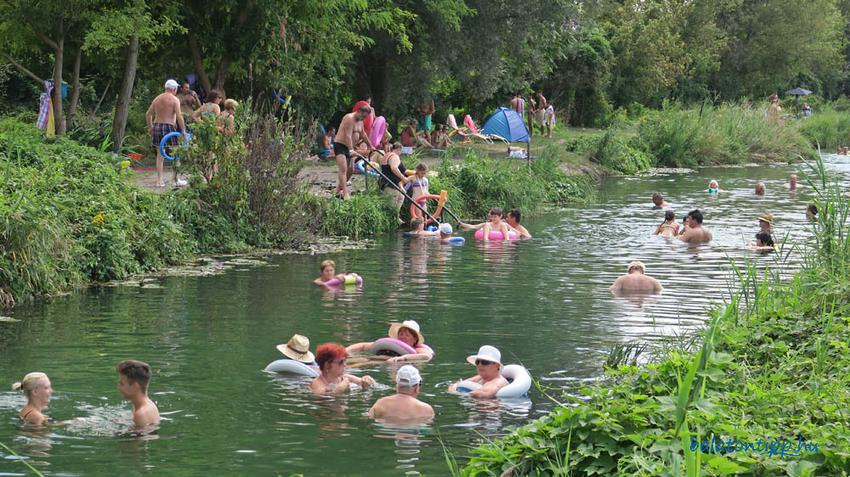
(713, 184)
(636, 265)
(495, 211)
(657, 198)
(407, 378)
(328, 354)
(135, 373)
(695, 216)
(417, 223)
(515, 214)
(327, 263)
(760, 188)
(446, 229)
(669, 216)
(763, 239)
(31, 382)
(407, 331)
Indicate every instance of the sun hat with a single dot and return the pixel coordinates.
(409, 324)
(446, 228)
(765, 217)
(636, 264)
(486, 353)
(171, 84)
(298, 348)
(408, 376)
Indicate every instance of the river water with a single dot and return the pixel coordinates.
(543, 302)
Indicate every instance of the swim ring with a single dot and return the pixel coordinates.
(441, 200)
(377, 130)
(350, 279)
(361, 168)
(291, 366)
(456, 240)
(519, 382)
(392, 345)
(165, 139)
(495, 235)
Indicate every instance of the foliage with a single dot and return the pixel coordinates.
(614, 152)
(359, 217)
(827, 128)
(771, 365)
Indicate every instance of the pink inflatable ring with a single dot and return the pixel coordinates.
(350, 279)
(391, 345)
(495, 235)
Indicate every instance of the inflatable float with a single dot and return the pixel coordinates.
(393, 347)
(377, 131)
(519, 382)
(456, 240)
(165, 139)
(349, 279)
(495, 235)
(441, 201)
(290, 366)
(360, 168)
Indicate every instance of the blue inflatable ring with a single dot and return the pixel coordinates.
(359, 167)
(167, 138)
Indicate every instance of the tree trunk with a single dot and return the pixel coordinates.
(122, 107)
(198, 63)
(75, 92)
(23, 69)
(221, 74)
(59, 51)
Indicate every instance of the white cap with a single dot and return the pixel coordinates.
(408, 376)
(486, 353)
(446, 228)
(171, 84)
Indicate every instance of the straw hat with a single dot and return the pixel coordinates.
(410, 325)
(765, 217)
(297, 348)
(486, 353)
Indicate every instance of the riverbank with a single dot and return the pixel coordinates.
(760, 391)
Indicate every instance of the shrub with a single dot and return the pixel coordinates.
(828, 129)
(615, 153)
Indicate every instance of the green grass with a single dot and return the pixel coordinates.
(828, 129)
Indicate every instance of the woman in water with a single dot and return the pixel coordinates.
(36, 387)
(406, 332)
(764, 242)
(668, 228)
(713, 187)
(333, 380)
(328, 268)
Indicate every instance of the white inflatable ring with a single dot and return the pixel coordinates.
(292, 367)
(519, 382)
(391, 344)
(495, 235)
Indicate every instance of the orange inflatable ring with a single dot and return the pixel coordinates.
(421, 200)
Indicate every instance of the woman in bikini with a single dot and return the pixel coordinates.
(668, 228)
(36, 387)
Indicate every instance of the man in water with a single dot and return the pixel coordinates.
(513, 218)
(636, 280)
(488, 363)
(189, 100)
(792, 182)
(350, 133)
(162, 116)
(133, 379)
(659, 202)
(760, 189)
(403, 406)
(446, 232)
(693, 231)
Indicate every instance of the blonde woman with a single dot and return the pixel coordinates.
(36, 387)
(227, 117)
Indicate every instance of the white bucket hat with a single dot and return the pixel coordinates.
(408, 375)
(298, 349)
(409, 324)
(486, 353)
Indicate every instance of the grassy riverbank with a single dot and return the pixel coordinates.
(765, 386)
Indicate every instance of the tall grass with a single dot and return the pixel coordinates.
(828, 128)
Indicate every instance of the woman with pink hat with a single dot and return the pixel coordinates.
(406, 332)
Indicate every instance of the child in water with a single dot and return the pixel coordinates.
(668, 228)
(764, 241)
(713, 187)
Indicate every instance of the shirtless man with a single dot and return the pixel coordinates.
(513, 218)
(350, 133)
(760, 189)
(189, 100)
(518, 105)
(133, 379)
(658, 201)
(488, 362)
(694, 232)
(162, 116)
(403, 406)
(635, 280)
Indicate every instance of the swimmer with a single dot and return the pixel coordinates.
(513, 218)
(36, 387)
(760, 189)
(328, 269)
(495, 224)
(693, 231)
(403, 406)
(792, 182)
(843, 150)
(417, 228)
(133, 379)
(766, 223)
(668, 228)
(333, 380)
(764, 241)
(659, 202)
(446, 232)
(636, 280)
(298, 349)
(812, 212)
(407, 332)
(713, 187)
(488, 363)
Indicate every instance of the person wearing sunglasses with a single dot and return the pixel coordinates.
(488, 363)
(333, 380)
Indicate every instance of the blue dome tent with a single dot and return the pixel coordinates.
(507, 125)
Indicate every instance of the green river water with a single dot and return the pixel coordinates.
(543, 302)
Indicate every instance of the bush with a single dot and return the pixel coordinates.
(828, 129)
(615, 153)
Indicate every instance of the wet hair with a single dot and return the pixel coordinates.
(135, 372)
(696, 215)
(495, 211)
(812, 208)
(421, 167)
(29, 384)
(325, 264)
(327, 352)
(515, 213)
(657, 195)
(669, 215)
(415, 222)
(765, 239)
(213, 95)
(230, 104)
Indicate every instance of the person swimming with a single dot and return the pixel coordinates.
(764, 241)
(328, 269)
(668, 228)
(713, 187)
(36, 387)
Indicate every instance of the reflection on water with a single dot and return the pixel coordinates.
(544, 303)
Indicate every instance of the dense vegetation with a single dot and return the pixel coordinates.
(771, 364)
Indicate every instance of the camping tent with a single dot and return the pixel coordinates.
(507, 124)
